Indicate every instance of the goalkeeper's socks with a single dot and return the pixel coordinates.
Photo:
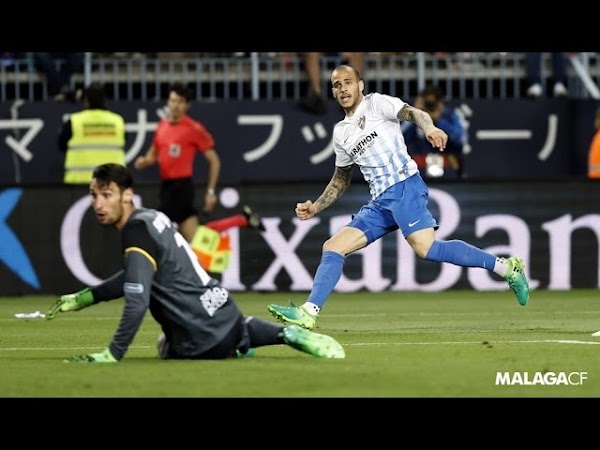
(460, 253)
(327, 276)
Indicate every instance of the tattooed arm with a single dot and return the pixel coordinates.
(337, 186)
(436, 136)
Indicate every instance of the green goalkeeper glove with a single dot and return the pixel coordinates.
(71, 302)
(102, 357)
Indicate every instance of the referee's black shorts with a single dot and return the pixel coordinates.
(177, 199)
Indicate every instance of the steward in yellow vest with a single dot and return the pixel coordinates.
(91, 137)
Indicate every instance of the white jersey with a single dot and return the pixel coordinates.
(372, 139)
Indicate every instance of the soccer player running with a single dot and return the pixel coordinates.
(198, 317)
(370, 137)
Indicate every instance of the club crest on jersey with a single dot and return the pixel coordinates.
(361, 122)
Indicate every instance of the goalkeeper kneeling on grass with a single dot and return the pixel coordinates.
(161, 272)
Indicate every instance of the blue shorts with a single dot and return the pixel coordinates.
(404, 206)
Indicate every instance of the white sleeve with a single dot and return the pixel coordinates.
(386, 105)
(341, 157)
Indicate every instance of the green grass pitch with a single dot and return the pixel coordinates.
(398, 344)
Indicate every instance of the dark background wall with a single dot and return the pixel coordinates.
(277, 142)
(50, 242)
(524, 193)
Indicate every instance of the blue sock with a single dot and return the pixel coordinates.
(327, 276)
(460, 253)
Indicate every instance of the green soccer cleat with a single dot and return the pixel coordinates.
(517, 280)
(319, 345)
(293, 314)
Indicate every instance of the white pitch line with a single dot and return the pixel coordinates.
(90, 348)
(356, 344)
(42, 319)
(542, 341)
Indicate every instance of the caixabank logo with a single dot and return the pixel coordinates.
(12, 253)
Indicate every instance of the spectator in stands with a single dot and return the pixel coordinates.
(431, 162)
(533, 66)
(7, 59)
(594, 151)
(314, 102)
(58, 69)
(177, 140)
(91, 137)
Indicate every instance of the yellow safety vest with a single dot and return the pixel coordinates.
(98, 138)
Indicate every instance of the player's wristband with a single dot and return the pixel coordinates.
(210, 191)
